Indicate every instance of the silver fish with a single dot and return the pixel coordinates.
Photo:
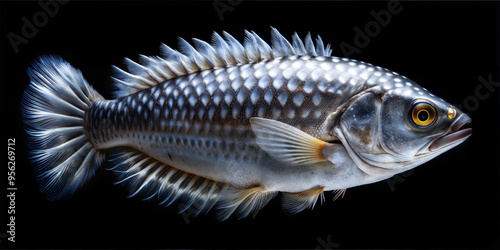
(231, 124)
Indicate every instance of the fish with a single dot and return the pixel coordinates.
(229, 125)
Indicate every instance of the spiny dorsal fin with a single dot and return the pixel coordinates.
(223, 52)
(148, 178)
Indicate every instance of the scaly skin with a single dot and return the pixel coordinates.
(199, 123)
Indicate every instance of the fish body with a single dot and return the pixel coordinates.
(206, 117)
(233, 124)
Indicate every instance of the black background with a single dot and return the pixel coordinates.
(449, 202)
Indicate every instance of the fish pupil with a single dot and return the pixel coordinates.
(423, 115)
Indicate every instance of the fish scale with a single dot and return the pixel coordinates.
(199, 105)
(231, 125)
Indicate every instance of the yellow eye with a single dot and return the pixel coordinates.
(422, 114)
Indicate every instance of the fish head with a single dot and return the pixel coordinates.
(391, 130)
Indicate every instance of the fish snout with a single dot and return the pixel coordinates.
(459, 131)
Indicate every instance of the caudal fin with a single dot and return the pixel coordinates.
(54, 106)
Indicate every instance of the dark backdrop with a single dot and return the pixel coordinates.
(449, 202)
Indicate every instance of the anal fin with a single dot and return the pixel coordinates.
(147, 177)
(296, 202)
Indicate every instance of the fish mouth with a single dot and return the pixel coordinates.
(459, 132)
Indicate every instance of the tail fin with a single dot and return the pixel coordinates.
(54, 106)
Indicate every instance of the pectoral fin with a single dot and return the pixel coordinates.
(287, 143)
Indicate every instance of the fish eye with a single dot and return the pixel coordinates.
(422, 114)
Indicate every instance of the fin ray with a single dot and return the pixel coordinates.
(339, 194)
(243, 201)
(309, 45)
(281, 46)
(236, 49)
(296, 202)
(148, 177)
(298, 45)
(54, 107)
(251, 47)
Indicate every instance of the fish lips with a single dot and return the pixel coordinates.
(458, 133)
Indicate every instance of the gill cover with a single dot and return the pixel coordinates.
(359, 123)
